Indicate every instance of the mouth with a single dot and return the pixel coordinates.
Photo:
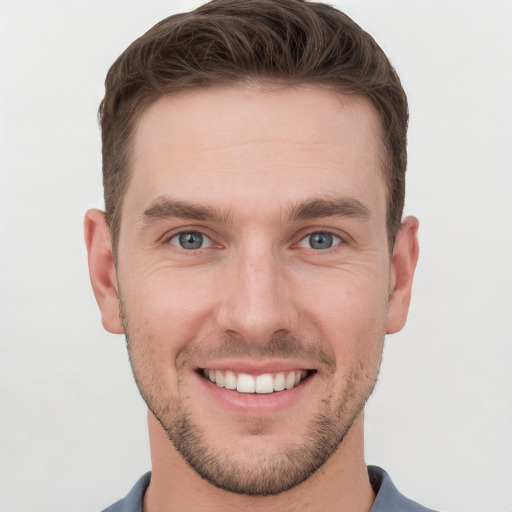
(264, 383)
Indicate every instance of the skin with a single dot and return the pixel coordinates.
(257, 171)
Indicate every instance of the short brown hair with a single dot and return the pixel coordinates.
(289, 42)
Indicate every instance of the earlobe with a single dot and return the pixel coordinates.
(102, 269)
(403, 264)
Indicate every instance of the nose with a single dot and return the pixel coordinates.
(257, 298)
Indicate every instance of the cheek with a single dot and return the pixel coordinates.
(159, 321)
(167, 308)
(349, 313)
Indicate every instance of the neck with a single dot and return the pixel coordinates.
(341, 484)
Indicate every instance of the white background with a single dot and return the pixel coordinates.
(73, 433)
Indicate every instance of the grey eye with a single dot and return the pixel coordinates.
(319, 241)
(190, 240)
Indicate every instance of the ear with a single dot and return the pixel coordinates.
(403, 263)
(102, 270)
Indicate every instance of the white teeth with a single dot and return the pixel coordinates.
(230, 380)
(279, 382)
(245, 383)
(290, 380)
(264, 384)
(219, 378)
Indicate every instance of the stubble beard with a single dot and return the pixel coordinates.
(253, 474)
(258, 474)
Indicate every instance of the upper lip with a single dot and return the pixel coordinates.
(257, 368)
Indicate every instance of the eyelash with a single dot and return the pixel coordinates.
(337, 240)
(168, 240)
(341, 240)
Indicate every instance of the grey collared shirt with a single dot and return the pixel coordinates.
(388, 498)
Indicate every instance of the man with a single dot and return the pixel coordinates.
(253, 252)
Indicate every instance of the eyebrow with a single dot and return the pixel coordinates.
(339, 207)
(165, 208)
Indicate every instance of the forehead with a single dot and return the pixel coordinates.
(283, 143)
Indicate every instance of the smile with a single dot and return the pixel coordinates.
(264, 383)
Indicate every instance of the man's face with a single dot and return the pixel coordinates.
(253, 253)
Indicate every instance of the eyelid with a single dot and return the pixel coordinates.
(337, 239)
(207, 241)
(343, 236)
(176, 232)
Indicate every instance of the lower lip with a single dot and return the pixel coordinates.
(254, 403)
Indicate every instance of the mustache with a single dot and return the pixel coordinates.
(282, 345)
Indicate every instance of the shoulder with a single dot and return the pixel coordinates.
(389, 499)
(134, 499)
